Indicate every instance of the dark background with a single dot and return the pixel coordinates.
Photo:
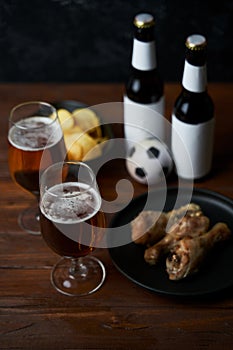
(91, 40)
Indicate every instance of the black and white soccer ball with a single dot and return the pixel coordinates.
(149, 161)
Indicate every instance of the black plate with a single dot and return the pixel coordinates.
(215, 273)
(70, 105)
(106, 129)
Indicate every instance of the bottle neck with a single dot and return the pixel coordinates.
(144, 55)
(194, 77)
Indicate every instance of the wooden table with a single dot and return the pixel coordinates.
(121, 315)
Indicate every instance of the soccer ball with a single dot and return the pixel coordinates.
(149, 161)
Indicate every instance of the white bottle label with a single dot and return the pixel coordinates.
(144, 55)
(194, 78)
(192, 148)
(142, 121)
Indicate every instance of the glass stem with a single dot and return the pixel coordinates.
(37, 195)
(77, 268)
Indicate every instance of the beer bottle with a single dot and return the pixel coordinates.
(144, 90)
(193, 115)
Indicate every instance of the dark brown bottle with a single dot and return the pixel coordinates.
(144, 89)
(193, 115)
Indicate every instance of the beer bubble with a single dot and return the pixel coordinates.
(35, 133)
(70, 203)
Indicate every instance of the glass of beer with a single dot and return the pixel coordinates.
(72, 225)
(34, 135)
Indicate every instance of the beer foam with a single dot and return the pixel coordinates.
(70, 203)
(35, 134)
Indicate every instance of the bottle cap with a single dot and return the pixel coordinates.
(144, 20)
(196, 42)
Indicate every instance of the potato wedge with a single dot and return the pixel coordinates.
(87, 142)
(82, 133)
(66, 119)
(87, 120)
(73, 147)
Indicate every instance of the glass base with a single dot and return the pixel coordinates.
(78, 277)
(29, 220)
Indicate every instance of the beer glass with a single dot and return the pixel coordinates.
(34, 131)
(72, 225)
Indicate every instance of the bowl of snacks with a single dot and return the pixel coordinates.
(85, 133)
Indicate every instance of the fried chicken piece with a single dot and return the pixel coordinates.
(175, 215)
(192, 224)
(148, 227)
(187, 255)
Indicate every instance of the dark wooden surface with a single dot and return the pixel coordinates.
(121, 315)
